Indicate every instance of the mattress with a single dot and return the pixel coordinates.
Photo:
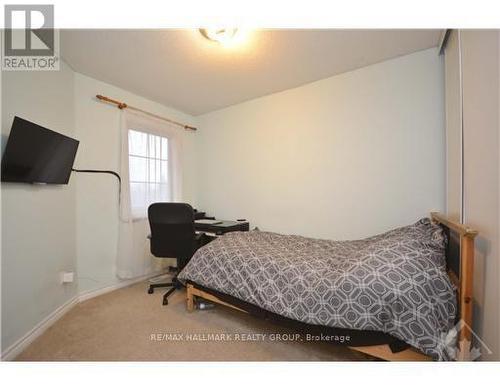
(395, 283)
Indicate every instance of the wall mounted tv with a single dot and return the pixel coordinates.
(35, 154)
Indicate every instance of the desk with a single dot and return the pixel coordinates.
(220, 229)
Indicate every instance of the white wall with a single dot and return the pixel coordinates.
(38, 222)
(481, 105)
(345, 157)
(97, 128)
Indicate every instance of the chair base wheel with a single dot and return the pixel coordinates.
(165, 301)
(150, 291)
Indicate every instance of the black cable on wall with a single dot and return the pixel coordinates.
(104, 172)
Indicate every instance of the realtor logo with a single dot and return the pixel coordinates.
(30, 40)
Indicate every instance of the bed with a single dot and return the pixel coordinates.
(395, 296)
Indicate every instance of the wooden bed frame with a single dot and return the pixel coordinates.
(463, 281)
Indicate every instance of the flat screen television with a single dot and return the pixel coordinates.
(35, 154)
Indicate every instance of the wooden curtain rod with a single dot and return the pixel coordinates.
(123, 105)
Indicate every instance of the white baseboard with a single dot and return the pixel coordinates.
(22, 343)
(17, 347)
(122, 284)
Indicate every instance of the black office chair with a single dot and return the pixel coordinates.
(172, 236)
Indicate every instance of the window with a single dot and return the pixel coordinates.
(149, 171)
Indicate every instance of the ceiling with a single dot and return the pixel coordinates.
(183, 70)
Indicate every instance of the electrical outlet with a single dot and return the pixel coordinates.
(67, 277)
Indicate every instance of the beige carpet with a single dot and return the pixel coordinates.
(118, 326)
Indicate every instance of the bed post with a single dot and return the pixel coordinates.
(464, 282)
(190, 298)
(466, 285)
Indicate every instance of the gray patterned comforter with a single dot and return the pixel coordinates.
(394, 282)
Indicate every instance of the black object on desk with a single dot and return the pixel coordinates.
(198, 214)
(220, 227)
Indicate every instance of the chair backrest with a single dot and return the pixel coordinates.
(172, 230)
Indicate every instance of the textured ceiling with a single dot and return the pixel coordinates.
(181, 69)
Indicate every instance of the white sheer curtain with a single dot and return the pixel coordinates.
(133, 256)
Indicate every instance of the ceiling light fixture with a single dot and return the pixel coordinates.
(222, 36)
